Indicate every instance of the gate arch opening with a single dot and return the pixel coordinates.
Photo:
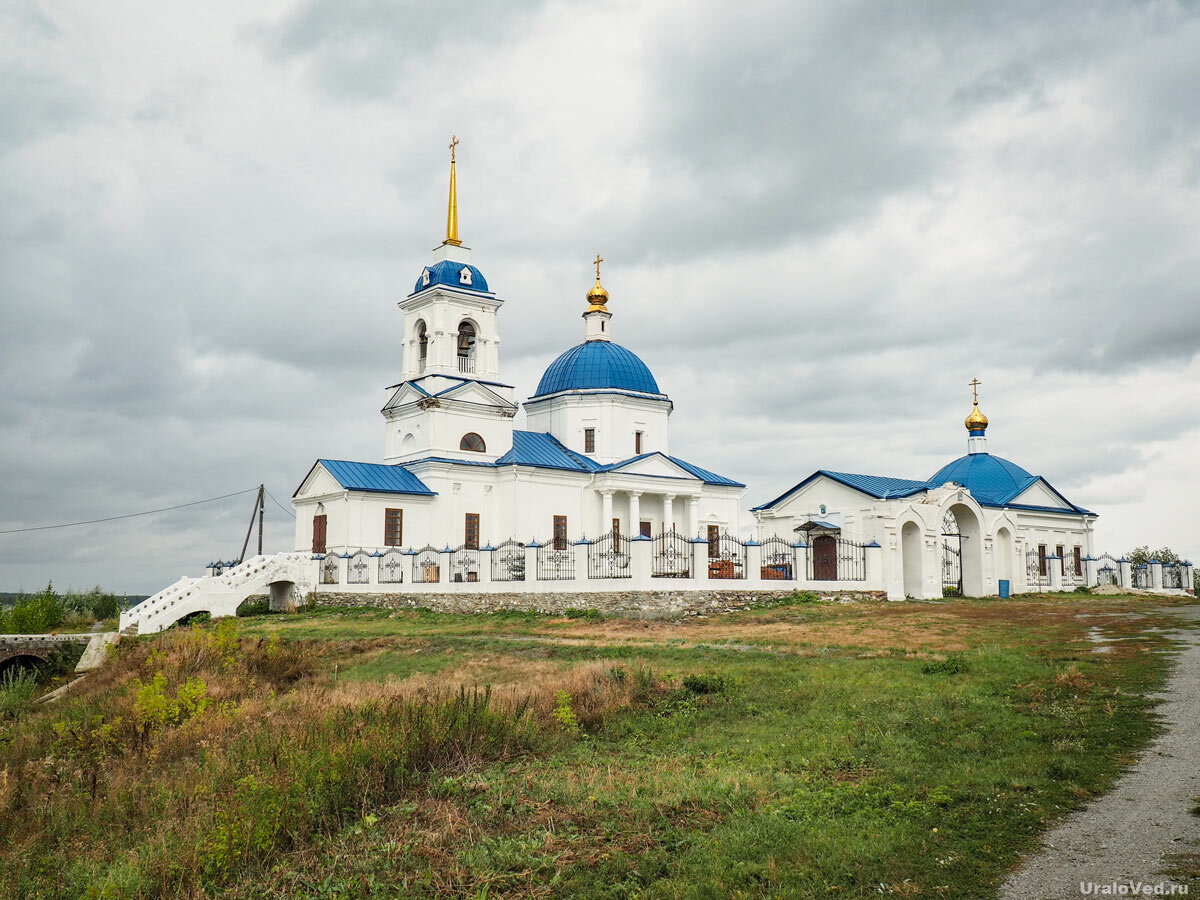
(970, 549)
(910, 561)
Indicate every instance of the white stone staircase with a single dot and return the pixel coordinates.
(219, 595)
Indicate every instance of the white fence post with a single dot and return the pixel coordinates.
(1126, 572)
(1156, 580)
(531, 566)
(485, 564)
(640, 549)
(1054, 569)
(1090, 576)
(581, 549)
(873, 561)
(754, 562)
(700, 558)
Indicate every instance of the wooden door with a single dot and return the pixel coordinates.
(824, 551)
(319, 523)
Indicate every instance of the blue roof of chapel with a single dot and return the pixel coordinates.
(990, 479)
(377, 477)
(595, 365)
(449, 273)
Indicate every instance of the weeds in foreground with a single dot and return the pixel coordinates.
(17, 687)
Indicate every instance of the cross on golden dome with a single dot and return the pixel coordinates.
(597, 297)
(599, 259)
(976, 421)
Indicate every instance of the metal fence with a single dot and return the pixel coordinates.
(1173, 577)
(609, 557)
(508, 562)
(670, 556)
(464, 564)
(391, 567)
(555, 563)
(1141, 577)
(329, 569)
(778, 560)
(358, 568)
(1108, 571)
(834, 558)
(427, 565)
(726, 557)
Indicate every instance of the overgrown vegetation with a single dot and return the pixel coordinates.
(48, 611)
(803, 750)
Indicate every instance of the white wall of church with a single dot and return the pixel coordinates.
(439, 432)
(616, 419)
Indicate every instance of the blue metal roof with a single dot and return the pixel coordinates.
(357, 476)
(704, 475)
(535, 448)
(449, 272)
(992, 481)
(597, 364)
(879, 486)
(989, 478)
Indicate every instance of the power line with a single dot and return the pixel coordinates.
(148, 512)
(280, 505)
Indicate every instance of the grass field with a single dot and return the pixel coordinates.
(806, 750)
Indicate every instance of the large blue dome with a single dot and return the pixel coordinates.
(597, 364)
(459, 275)
(990, 479)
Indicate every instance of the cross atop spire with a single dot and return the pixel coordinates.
(974, 386)
(599, 259)
(452, 210)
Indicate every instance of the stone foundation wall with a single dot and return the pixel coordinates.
(627, 604)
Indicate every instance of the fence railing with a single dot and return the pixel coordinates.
(670, 556)
(778, 560)
(726, 557)
(609, 557)
(833, 558)
(426, 565)
(556, 563)
(1108, 571)
(464, 564)
(508, 562)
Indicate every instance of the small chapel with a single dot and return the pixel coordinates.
(595, 456)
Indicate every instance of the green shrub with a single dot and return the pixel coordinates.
(707, 683)
(17, 687)
(36, 614)
(953, 664)
(563, 714)
(1083, 589)
(254, 608)
(583, 614)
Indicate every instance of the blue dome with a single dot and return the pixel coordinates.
(597, 364)
(990, 479)
(450, 273)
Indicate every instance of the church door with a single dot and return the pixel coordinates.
(319, 533)
(824, 550)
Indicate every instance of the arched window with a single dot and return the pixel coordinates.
(464, 275)
(466, 348)
(473, 442)
(425, 278)
(422, 344)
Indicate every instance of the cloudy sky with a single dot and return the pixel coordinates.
(821, 220)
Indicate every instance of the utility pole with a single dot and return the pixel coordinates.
(256, 513)
(261, 489)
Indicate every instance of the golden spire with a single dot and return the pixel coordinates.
(976, 421)
(452, 211)
(597, 296)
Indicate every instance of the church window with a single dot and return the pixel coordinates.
(1042, 560)
(560, 532)
(425, 278)
(714, 541)
(1078, 561)
(637, 443)
(466, 348)
(601, 324)
(473, 442)
(422, 344)
(1062, 562)
(589, 440)
(645, 528)
(464, 275)
(319, 526)
(393, 527)
(616, 527)
(471, 532)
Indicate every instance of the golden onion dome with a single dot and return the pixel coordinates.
(976, 421)
(597, 298)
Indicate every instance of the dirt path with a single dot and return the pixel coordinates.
(1129, 835)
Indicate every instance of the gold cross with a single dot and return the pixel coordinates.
(974, 386)
(453, 144)
(599, 259)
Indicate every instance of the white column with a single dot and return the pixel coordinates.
(1090, 577)
(635, 513)
(668, 512)
(639, 552)
(700, 559)
(605, 512)
(754, 562)
(694, 516)
(581, 559)
(1126, 572)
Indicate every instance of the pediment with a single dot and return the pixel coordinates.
(317, 483)
(1041, 494)
(404, 395)
(655, 465)
(474, 392)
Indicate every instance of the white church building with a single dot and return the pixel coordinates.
(587, 505)
(594, 459)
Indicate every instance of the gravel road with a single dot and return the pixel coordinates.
(1128, 835)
